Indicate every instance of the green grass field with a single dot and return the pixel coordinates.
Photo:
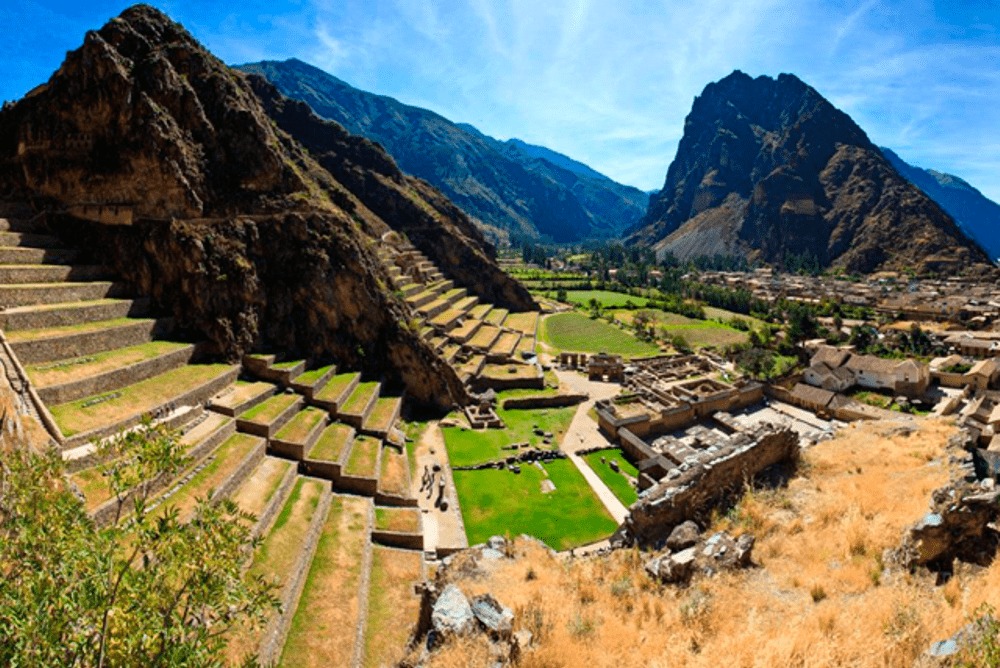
(615, 481)
(698, 333)
(605, 298)
(496, 502)
(468, 447)
(578, 333)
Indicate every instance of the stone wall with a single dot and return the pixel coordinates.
(557, 401)
(694, 492)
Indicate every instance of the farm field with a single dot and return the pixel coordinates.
(615, 481)
(698, 333)
(577, 333)
(605, 298)
(500, 502)
(467, 447)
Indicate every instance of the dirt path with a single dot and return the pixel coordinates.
(583, 434)
(442, 528)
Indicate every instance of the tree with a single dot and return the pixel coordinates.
(150, 591)
(758, 363)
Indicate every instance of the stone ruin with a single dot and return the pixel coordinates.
(604, 367)
(688, 554)
(963, 522)
(688, 490)
(481, 413)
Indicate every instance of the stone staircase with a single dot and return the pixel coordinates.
(314, 455)
(465, 333)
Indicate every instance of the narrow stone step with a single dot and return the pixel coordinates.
(65, 380)
(465, 331)
(359, 474)
(18, 255)
(454, 295)
(336, 391)
(28, 239)
(265, 490)
(394, 481)
(198, 441)
(393, 605)
(422, 298)
(410, 289)
(450, 352)
(505, 345)
(327, 456)
(466, 304)
(216, 476)
(357, 407)
(324, 629)
(96, 417)
(267, 417)
(64, 342)
(383, 416)
(300, 433)
(52, 273)
(71, 313)
(397, 526)
(448, 319)
(283, 558)
(480, 311)
(496, 316)
(309, 383)
(434, 308)
(485, 337)
(240, 397)
(32, 294)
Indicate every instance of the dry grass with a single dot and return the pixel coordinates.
(392, 605)
(324, 627)
(67, 371)
(819, 597)
(331, 443)
(526, 323)
(395, 475)
(301, 425)
(256, 491)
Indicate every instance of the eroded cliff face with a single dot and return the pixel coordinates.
(404, 203)
(769, 168)
(240, 234)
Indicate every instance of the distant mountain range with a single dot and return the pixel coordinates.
(509, 188)
(770, 170)
(976, 214)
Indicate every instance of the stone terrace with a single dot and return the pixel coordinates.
(279, 437)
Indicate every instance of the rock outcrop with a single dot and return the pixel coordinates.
(237, 230)
(769, 169)
(508, 187)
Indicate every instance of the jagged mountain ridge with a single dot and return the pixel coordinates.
(975, 213)
(241, 234)
(504, 186)
(768, 168)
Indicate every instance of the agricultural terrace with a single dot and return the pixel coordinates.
(577, 333)
(563, 513)
(605, 298)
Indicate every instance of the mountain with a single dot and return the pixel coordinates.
(769, 169)
(976, 214)
(237, 230)
(507, 187)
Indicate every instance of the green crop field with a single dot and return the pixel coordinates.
(578, 333)
(467, 447)
(605, 298)
(615, 481)
(698, 333)
(499, 502)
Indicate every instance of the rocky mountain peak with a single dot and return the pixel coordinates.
(767, 167)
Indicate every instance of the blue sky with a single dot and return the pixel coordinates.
(606, 82)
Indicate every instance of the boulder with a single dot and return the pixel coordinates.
(452, 613)
(683, 536)
(495, 617)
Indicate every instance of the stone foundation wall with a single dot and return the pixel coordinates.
(692, 494)
(557, 401)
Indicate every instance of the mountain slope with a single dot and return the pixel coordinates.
(978, 215)
(769, 168)
(504, 188)
(239, 233)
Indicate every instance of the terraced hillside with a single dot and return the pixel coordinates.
(469, 335)
(313, 454)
